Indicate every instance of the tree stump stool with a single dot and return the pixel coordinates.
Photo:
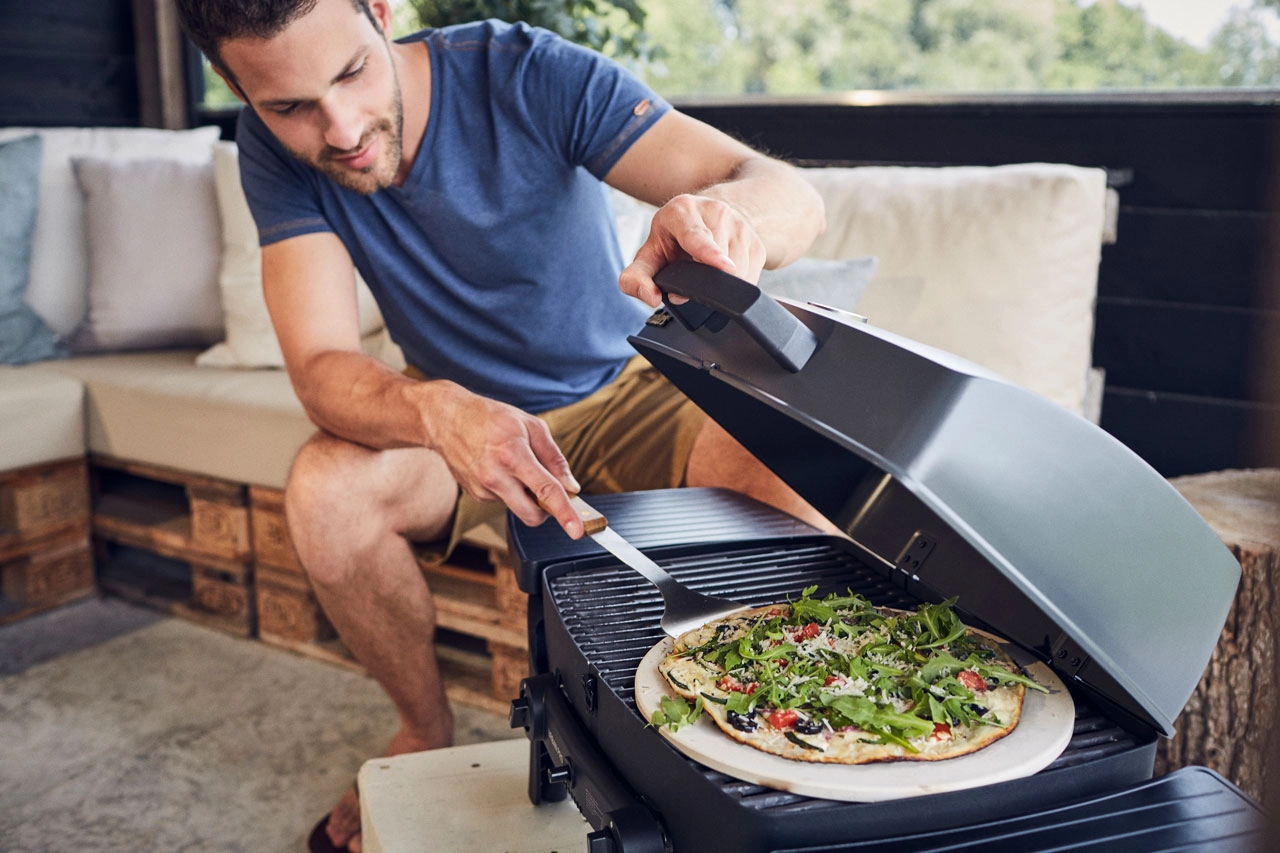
(1229, 724)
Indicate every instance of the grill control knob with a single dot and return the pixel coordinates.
(519, 715)
(601, 841)
(561, 774)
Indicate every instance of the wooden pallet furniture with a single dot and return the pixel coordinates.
(174, 541)
(1229, 723)
(480, 612)
(45, 559)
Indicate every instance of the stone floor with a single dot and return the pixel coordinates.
(123, 730)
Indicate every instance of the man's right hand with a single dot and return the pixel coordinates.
(498, 452)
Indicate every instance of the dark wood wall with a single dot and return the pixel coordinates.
(1188, 316)
(68, 62)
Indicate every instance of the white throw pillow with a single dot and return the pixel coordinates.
(153, 255)
(250, 340)
(996, 264)
(60, 253)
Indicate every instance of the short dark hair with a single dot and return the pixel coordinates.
(208, 23)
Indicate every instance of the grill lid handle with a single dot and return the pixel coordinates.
(716, 297)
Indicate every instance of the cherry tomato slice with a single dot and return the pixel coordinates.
(783, 719)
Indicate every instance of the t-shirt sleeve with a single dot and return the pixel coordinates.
(590, 107)
(281, 195)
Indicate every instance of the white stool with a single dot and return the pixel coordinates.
(462, 799)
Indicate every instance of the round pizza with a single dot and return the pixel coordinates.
(839, 680)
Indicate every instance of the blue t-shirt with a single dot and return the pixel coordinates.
(496, 264)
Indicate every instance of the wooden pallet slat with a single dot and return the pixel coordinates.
(470, 608)
(272, 545)
(288, 610)
(174, 541)
(510, 666)
(220, 521)
(45, 560)
(14, 545)
(43, 496)
(56, 574)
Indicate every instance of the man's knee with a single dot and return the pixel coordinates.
(312, 490)
(326, 500)
(344, 502)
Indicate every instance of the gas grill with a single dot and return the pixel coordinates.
(949, 482)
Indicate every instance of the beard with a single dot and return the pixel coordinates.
(379, 174)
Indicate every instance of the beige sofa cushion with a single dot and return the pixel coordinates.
(998, 265)
(41, 417)
(158, 407)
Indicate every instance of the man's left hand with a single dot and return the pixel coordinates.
(700, 228)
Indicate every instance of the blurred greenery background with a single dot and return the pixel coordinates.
(725, 48)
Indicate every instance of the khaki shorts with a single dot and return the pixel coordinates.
(635, 433)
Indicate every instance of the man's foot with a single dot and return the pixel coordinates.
(343, 824)
(343, 827)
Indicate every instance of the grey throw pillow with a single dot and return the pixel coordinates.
(153, 255)
(24, 337)
(837, 284)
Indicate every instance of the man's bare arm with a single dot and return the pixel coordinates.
(494, 451)
(721, 203)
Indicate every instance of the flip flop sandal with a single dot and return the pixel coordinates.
(318, 841)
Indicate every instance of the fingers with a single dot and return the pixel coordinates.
(637, 279)
(548, 453)
(497, 452)
(530, 475)
(552, 482)
(699, 228)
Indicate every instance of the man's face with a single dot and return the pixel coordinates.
(327, 88)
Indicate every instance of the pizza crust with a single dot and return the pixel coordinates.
(692, 677)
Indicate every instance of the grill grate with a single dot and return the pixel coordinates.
(613, 616)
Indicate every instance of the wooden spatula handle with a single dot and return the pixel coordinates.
(592, 520)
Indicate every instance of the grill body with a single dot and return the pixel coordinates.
(593, 619)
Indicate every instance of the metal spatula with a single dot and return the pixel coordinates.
(683, 609)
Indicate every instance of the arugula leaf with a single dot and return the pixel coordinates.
(673, 712)
(739, 703)
(808, 610)
(867, 715)
(779, 651)
(941, 664)
(1004, 676)
(937, 712)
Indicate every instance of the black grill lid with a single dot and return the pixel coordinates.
(1047, 529)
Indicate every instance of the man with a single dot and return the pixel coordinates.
(459, 171)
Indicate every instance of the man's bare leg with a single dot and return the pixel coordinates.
(351, 513)
(717, 459)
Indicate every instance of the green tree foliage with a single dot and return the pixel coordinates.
(1243, 50)
(791, 47)
(613, 27)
